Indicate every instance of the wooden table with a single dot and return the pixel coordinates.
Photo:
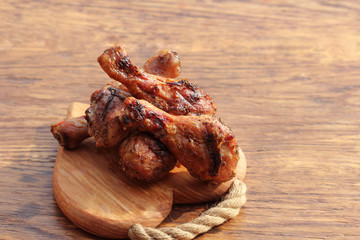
(285, 75)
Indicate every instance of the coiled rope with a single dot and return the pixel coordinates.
(228, 208)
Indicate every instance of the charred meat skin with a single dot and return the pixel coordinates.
(202, 144)
(178, 97)
(144, 158)
(70, 132)
(106, 104)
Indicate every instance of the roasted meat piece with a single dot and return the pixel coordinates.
(145, 158)
(204, 145)
(70, 132)
(178, 97)
(166, 63)
(106, 104)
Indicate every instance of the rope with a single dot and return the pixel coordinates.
(228, 208)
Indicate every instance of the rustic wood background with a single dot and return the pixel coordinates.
(285, 75)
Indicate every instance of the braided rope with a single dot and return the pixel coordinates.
(228, 208)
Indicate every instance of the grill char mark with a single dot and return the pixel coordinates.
(138, 113)
(214, 152)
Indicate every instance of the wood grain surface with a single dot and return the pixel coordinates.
(285, 75)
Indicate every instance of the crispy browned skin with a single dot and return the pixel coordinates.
(166, 63)
(71, 132)
(106, 104)
(178, 97)
(205, 146)
(144, 158)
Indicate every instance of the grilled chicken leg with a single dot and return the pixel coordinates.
(176, 97)
(70, 132)
(106, 104)
(144, 158)
(166, 63)
(205, 146)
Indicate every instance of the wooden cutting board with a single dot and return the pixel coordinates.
(92, 191)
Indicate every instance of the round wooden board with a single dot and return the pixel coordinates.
(93, 192)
